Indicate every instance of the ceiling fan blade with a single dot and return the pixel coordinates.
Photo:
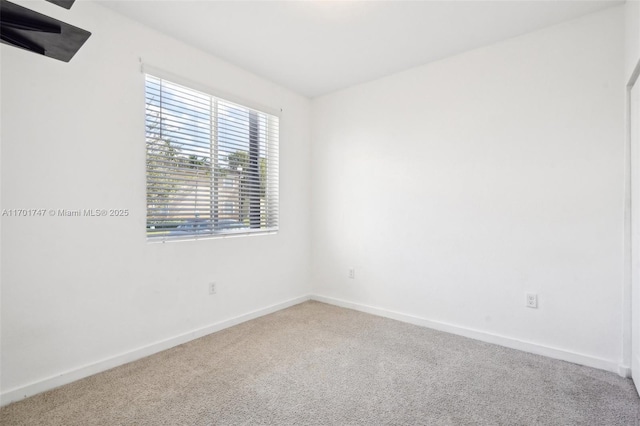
(9, 36)
(20, 22)
(63, 3)
(38, 33)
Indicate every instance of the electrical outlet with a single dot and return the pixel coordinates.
(352, 273)
(212, 288)
(532, 300)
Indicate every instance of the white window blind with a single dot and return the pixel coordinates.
(212, 165)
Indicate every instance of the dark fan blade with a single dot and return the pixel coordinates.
(38, 33)
(9, 36)
(63, 3)
(21, 22)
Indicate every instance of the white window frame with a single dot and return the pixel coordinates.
(261, 212)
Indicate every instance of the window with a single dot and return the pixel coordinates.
(212, 165)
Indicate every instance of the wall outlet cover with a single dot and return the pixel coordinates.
(532, 300)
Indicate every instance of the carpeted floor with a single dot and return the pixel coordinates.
(316, 364)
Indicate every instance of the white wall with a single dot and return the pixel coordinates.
(456, 187)
(632, 35)
(631, 330)
(452, 188)
(79, 291)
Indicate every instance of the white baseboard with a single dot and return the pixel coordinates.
(635, 366)
(624, 371)
(509, 342)
(65, 377)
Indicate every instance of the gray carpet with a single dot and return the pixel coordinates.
(316, 364)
